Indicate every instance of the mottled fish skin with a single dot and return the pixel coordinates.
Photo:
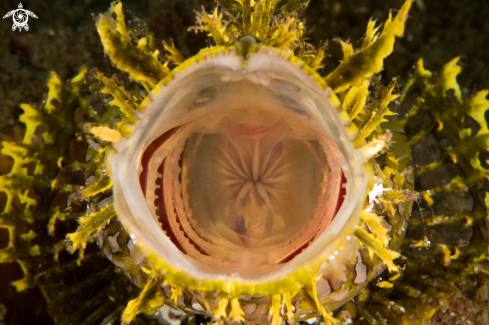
(251, 119)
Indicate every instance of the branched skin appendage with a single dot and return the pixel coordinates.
(455, 204)
(42, 170)
(48, 166)
(254, 166)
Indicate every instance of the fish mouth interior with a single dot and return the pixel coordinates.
(251, 185)
(248, 188)
(242, 172)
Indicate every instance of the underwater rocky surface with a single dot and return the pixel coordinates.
(64, 38)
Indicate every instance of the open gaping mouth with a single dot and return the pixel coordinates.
(239, 168)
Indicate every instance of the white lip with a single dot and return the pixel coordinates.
(261, 67)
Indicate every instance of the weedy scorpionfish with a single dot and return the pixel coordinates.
(239, 185)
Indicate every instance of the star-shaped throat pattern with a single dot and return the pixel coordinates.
(255, 178)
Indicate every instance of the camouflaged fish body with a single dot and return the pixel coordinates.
(243, 186)
(225, 121)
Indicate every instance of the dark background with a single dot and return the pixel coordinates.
(64, 37)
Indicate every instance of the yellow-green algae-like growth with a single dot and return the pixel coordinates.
(351, 263)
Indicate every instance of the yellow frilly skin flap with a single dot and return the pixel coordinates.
(141, 62)
(359, 65)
